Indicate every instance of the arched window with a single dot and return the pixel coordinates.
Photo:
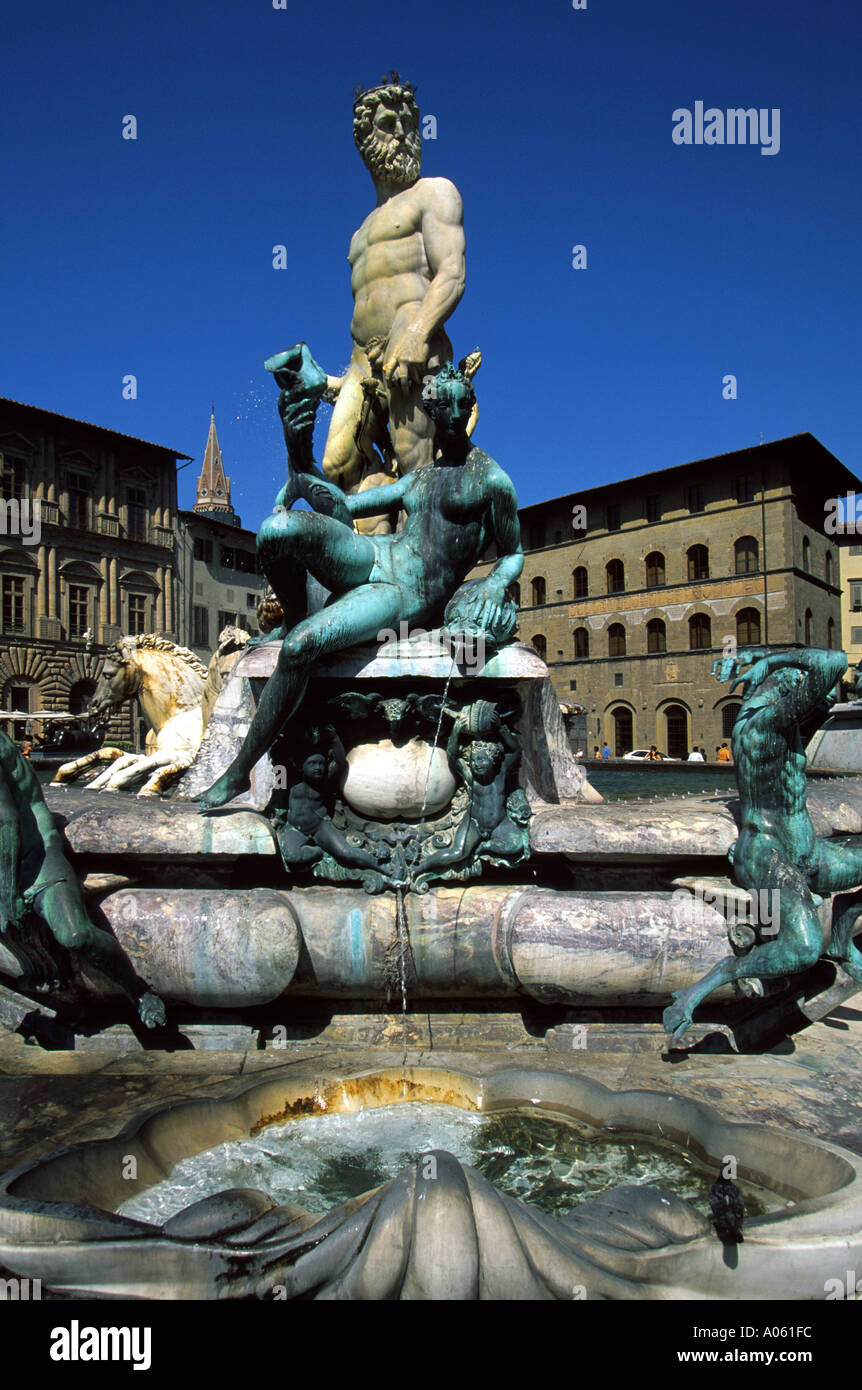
(515, 591)
(699, 632)
(540, 643)
(830, 635)
(809, 628)
(582, 643)
(746, 553)
(748, 627)
(655, 570)
(580, 584)
(623, 739)
(616, 576)
(538, 590)
(728, 719)
(616, 640)
(829, 578)
(806, 554)
(656, 635)
(676, 730)
(698, 562)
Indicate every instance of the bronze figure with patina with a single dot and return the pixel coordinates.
(36, 878)
(777, 849)
(495, 824)
(453, 511)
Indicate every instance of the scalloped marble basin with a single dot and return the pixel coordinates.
(438, 1229)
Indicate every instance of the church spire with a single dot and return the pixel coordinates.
(213, 490)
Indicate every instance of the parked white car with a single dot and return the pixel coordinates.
(641, 754)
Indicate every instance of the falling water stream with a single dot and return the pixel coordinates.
(402, 944)
(402, 935)
(436, 739)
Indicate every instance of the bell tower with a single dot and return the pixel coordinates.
(213, 488)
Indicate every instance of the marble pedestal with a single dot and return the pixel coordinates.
(549, 772)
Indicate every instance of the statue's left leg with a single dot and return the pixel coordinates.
(464, 842)
(411, 429)
(293, 542)
(355, 617)
(840, 866)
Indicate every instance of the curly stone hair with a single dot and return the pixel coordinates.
(391, 92)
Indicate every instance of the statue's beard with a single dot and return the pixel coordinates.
(395, 164)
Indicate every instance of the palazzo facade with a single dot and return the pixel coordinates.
(631, 590)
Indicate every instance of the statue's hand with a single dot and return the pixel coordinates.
(407, 359)
(725, 668)
(374, 351)
(327, 499)
(485, 604)
(481, 606)
(320, 499)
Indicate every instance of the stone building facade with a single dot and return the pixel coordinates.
(631, 590)
(87, 553)
(220, 582)
(851, 599)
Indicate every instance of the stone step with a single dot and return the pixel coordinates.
(106, 825)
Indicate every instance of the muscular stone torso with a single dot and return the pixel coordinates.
(390, 273)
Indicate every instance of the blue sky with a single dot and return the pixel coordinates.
(154, 256)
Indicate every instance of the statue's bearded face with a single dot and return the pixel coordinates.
(391, 145)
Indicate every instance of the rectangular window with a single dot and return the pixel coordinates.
(79, 501)
(537, 536)
(79, 610)
(11, 478)
(13, 604)
(137, 614)
(19, 701)
(855, 549)
(856, 636)
(573, 685)
(227, 557)
(245, 561)
(136, 511)
(251, 600)
(652, 508)
(614, 516)
(226, 620)
(745, 488)
(856, 597)
(200, 627)
(695, 498)
(618, 678)
(203, 549)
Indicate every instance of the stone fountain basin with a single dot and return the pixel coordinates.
(450, 1236)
